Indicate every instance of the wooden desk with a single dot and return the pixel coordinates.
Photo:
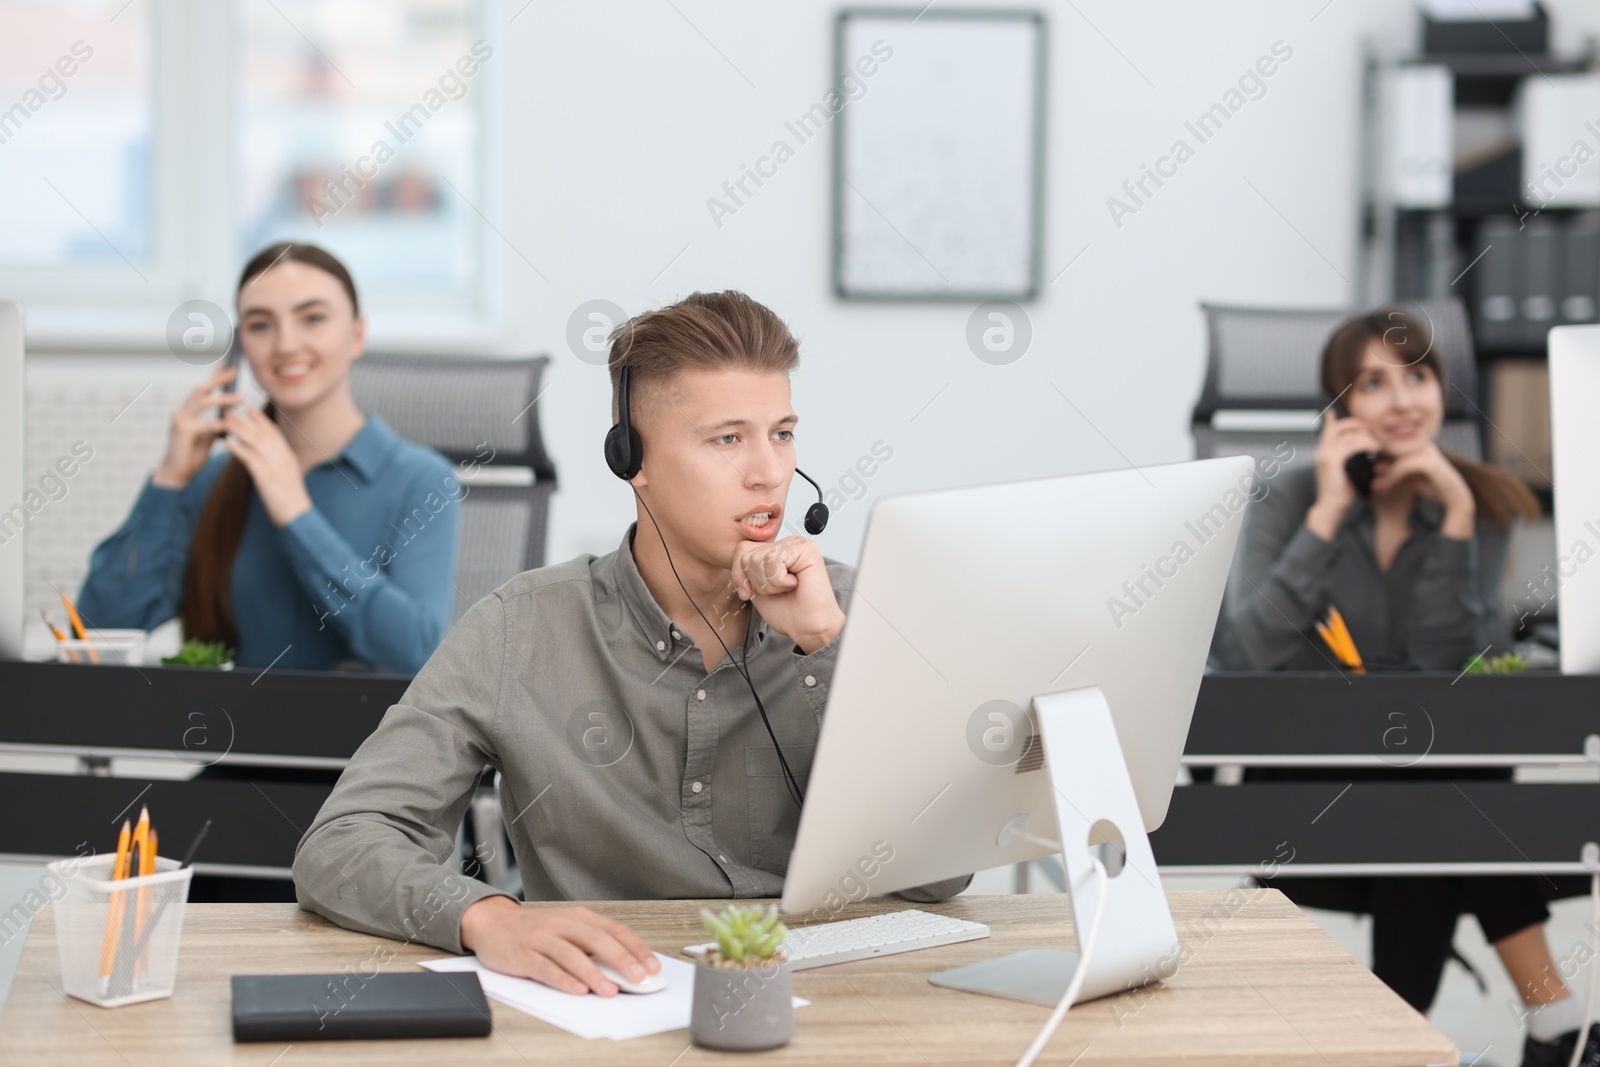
(1262, 985)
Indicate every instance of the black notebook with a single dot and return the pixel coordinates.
(329, 1007)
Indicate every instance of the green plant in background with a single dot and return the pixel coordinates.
(200, 654)
(745, 934)
(1505, 663)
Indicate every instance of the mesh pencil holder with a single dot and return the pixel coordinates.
(119, 939)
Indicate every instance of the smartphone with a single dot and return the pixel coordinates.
(231, 362)
(1362, 467)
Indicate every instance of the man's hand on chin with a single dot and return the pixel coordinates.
(787, 581)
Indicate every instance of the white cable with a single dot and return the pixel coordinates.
(1085, 949)
(1594, 965)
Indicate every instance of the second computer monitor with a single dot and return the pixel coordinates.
(967, 604)
(1575, 454)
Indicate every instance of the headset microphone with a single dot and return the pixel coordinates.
(816, 514)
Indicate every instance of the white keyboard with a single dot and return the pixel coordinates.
(873, 935)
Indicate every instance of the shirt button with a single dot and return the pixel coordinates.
(676, 635)
(696, 787)
(699, 694)
(661, 646)
(722, 859)
(811, 679)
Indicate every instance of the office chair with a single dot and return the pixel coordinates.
(482, 414)
(479, 412)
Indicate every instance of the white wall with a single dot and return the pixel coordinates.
(622, 118)
(623, 126)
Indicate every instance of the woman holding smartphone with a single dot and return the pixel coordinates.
(316, 535)
(1409, 543)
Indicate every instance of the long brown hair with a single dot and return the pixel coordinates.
(205, 608)
(1497, 495)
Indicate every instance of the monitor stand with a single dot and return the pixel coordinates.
(1095, 805)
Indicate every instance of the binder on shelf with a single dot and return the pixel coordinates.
(1542, 250)
(1410, 257)
(1580, 289)
(1441, 264)
(1418, 151)
(1554, 114)
(1424, 255)
(1495, 276)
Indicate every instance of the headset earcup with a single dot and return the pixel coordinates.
(624, 455)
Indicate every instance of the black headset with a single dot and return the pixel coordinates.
(625, 455)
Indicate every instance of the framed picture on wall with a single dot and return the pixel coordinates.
(938, 154)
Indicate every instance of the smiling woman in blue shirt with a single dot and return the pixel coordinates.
(316, 537)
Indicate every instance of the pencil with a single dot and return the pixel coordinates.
(147, 865)
(118, 872)
(121, 981)
(77, 626)
(59, 636)
(1337, 620)
(166, 899)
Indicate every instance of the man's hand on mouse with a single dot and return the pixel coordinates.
(554, 945)
(788, 583)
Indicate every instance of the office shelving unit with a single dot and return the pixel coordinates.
(1412, 253)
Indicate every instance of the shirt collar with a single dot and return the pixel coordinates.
(369, 450)
(1425, 513)
(665, 638)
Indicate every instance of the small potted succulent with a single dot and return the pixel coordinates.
(743, 990)
(197, 653)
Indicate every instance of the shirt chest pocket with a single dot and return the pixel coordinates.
(773, 814)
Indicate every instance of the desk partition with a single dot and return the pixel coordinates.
(260, 731)
(1388, 774)
(1391, 774)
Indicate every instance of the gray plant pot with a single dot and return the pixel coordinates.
(743, 1010)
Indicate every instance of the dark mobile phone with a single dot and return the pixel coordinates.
(1362, 467)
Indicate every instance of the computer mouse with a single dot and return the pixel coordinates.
(650, 983)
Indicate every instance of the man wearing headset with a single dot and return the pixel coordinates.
(652, 712)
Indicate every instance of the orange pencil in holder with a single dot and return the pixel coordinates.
(114, 911)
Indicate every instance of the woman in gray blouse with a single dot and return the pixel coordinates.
(1414, 567)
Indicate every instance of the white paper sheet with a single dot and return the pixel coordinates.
(619, 1018)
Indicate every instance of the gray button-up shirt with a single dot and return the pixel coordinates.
(628, 772)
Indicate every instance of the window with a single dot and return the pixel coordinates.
(360, 129)
(135, 182)
(75, 135)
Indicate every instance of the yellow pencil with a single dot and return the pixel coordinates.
(1337, 621)
(77, 626)
(119, 871)
(59, 636)
(147, 865)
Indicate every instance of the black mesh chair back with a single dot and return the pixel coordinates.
(481, 413)
(1264, 361)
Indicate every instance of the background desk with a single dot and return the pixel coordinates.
(1340, 725)
(1264, 986)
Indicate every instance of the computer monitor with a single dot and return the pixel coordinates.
(968, 604)
(13, 535)
(1575, 458)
